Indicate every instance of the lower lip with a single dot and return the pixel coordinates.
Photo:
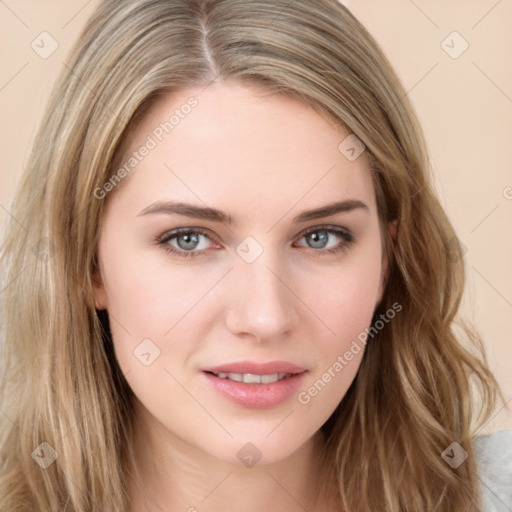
(256, 396)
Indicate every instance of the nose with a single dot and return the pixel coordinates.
(262, 305)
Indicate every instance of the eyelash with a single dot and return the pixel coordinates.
(347, 237)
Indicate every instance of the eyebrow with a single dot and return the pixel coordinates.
(215, 215)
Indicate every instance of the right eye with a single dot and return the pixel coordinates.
(185, 242)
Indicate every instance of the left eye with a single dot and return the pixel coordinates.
(325, 238)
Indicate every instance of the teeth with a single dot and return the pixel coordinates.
(250, 378)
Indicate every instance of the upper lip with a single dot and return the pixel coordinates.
(255, 368)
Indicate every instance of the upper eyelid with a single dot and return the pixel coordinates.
(173, 233)
(326, 227)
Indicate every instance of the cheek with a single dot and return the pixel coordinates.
(152, 319)
(147, 300)
(345, 304)
(346, 298)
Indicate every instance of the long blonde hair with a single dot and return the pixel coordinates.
(420, 384)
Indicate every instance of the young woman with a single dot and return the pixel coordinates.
(230, 285)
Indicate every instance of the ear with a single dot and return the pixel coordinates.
(391, 238)
(100, 294)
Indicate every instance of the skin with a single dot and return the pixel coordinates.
(263, 159)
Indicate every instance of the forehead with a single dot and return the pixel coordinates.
(243, 147)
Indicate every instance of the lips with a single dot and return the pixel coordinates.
(256, 385)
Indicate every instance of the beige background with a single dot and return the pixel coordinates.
(464, 104)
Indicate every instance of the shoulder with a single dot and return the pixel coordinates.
(493, 455)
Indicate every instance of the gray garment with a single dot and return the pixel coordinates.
(494, 459)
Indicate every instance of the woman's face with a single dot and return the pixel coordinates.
(216, 257)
